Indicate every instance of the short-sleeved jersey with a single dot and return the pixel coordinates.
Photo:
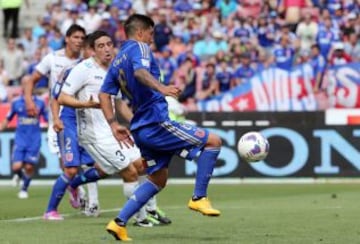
(149, 106)
(85, 81)
(28, 132)
(53, 64)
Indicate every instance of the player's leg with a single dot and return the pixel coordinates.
(205, 166)
(71, 162)
(17, 157)
(26, 178)
(155, 214)
(142, 194)
(149, 188)
(93, 206)
(187, 141)
(31, 158)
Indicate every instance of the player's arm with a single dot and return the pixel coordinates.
(28, 91)
(121, 133)
(73, 83)
(142, 60)
(110, 87)
(71, 101)
(41, 69)
(123, 109)
(8, 118)
(147, 79)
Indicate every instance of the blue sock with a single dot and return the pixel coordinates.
(205, 166)
(57, 193)
(26, 181)
(141, 195)
(90, 175)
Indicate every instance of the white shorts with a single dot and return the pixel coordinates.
(110, 157)
(52, 140)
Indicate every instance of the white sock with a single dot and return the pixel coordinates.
(93, 193)
(151, 205)
(129, 188)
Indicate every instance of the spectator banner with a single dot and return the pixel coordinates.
(302, 144)
(279, 90)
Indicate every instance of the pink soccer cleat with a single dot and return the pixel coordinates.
(52, 215)
(74, 197)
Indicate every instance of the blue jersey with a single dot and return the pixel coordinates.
(284, 57)
(28, 132)
(149, 106)
(224, 78)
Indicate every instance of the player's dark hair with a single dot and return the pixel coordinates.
(315, 45)
(137, 21)
(87, 40)
(96, 35)
(74, 28)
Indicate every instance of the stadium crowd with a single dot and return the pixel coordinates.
(205, 47)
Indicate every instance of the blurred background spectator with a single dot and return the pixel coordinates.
(205, 47)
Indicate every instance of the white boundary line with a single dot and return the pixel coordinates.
(27, 219)
(217, 181)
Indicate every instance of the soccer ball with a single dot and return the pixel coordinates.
(253, 147)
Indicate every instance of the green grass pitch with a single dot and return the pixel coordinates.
(264, 213)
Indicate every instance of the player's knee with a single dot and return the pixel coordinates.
(29, 169)
(16, 166)
(214, 141)
(159, 178)
(70, 172)
(129, 174)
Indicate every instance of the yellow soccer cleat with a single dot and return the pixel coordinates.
(203, 206)
(119, 232)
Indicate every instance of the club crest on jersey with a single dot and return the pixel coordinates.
(200, 133)
(69, 156)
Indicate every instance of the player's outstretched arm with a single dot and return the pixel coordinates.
(71, 101)
(147, 79)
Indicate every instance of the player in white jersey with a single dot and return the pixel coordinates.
(94, 133)
(53, 66)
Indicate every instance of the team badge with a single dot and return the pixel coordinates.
(200, 133)
(69, 156)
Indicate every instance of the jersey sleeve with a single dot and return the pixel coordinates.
(11, 112)
(140, 56)
(44, 111)
(44, 66)
(111, 83)
(75, 80)
(56, 90)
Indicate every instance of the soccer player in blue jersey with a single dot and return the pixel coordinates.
(72, 154)
(26, 150)
(134, 71)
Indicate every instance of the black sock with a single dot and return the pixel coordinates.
(196, 198)
(119, 222)
(19, 173)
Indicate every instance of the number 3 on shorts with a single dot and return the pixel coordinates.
(120, 155)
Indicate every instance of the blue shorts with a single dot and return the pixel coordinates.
(72, 154)
(159, 142)
(26, 154)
